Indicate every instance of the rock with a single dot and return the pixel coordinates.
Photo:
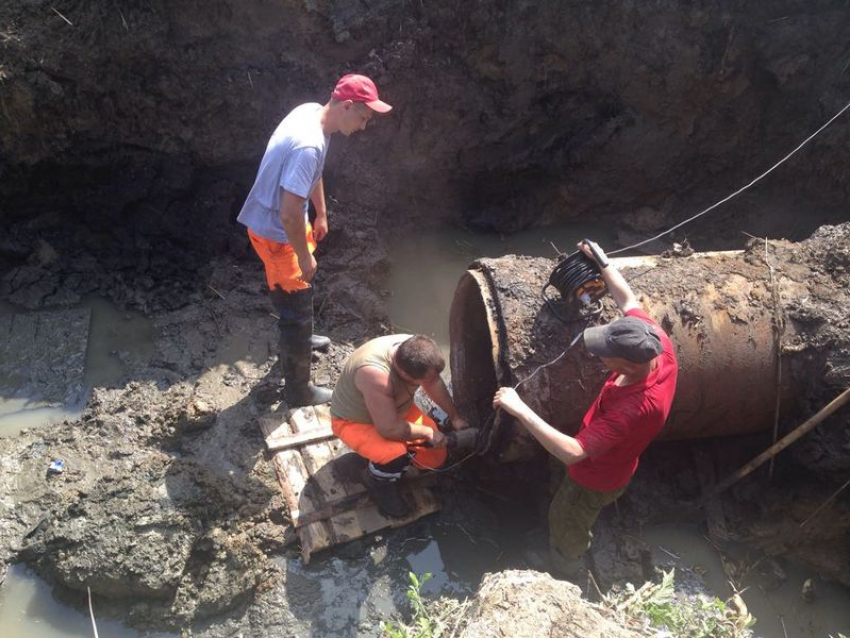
(809, 592)
(529, 604)
(43, 255)
(199, 415)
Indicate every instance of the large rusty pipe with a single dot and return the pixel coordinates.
(718, 314)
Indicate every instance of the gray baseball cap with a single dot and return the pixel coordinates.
(627, 338)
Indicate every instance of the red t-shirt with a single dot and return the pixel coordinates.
(624, 420)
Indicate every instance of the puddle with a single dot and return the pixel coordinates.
(779, 610)
(349, 591)
(115, 336)
(427, 266)
(421, 294)
(28, 609)
(111, 338)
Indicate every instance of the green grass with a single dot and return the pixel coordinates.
(429, 619)
(659, 606)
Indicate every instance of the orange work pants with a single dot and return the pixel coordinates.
(365, 439)
(281, 262)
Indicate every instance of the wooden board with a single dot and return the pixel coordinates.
(277, 444)
(354, 524)
(322, 482)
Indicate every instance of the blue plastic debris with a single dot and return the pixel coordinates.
(56, 467)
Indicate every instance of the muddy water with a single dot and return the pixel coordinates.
(776, 603)
(427, 266)
(115, 337)
(28, 610)
(350, 591)
(426, 269)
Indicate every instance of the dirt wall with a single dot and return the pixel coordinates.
(153, 115)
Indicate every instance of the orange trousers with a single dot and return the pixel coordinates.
(281, 262)
(365, 439)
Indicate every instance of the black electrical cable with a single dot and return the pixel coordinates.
(579, 281)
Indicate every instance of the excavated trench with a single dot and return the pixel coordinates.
(130, 136)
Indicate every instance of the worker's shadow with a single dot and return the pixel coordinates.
(337, 590)
(216, 475)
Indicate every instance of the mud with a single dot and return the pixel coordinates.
(131, 134)
(516, 603)
(150, 119)
(812, 291)
(169, 509)
(168, 500)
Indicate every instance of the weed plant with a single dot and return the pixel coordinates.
(430, 619)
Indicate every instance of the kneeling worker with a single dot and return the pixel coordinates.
(374, 413)
(626, 416)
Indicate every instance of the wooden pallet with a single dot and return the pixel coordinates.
(322, 482)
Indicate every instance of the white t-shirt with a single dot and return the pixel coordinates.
(293, 161)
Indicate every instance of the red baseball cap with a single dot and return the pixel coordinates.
(359, 88)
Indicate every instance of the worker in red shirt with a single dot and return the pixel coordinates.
(626, 416)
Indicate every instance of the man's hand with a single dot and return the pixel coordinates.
(435, 438)
(589, 248)
(308, 266)
(459, 423)
(509, 401)
(320, 227)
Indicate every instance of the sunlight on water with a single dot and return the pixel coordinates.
(426, 268)
(28, 610)
(113, 337)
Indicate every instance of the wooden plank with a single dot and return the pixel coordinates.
(341, 528)
(357, 499)
(293, 479)
(371, 520)
(274, 427)
(304, 420)
(313, 537)
(338, 447)
(323, 414)
(279, 443)
(345, 527)
(319, 459)
(339, 506)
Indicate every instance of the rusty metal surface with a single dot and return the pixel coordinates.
(715, 307)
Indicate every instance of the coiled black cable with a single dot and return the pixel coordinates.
(579, 281)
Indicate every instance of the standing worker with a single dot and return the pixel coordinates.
(374, 413)
(276, 214)
(626, 416)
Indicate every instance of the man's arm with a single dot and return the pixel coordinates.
(292, 218)
(374, 384)
(619, 288)
(563, 447)
(439, 394)
(320, 227)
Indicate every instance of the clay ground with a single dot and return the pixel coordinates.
(131, 134)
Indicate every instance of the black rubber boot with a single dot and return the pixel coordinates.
(296, 331)
(387, 496)
(298, 390)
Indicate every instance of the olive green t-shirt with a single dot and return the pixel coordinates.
(348, 402)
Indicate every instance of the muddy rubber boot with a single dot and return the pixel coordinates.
(318, 342)
(296, 332)
(387, 496)
(298, 390)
